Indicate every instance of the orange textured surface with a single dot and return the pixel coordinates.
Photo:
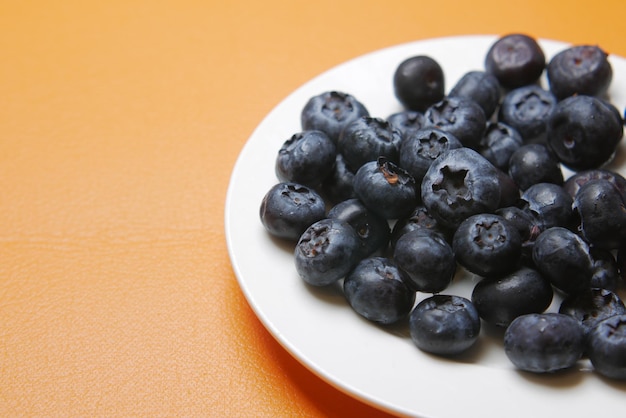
(120, 124)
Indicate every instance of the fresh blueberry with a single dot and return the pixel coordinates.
(445, 325)
(602, 212)
(367, 138)
(306, 158)
(606, 273)
(487, 244)
(460, 117)
(376, 290)
(422, 147)
(419, 82)
(326, 252)
(338, 185)
(386, 189)
(592, 306)
(515, 60)
(418, 219)
(287, 209)
(527, 109)
(499, 143)
(480, 86)
(527, 225)
(606, 347)
(544, 342)
(330, 112)
(427, 259)
(550, 204)
(583, 132)
(458, 184)
(534, 163)
(576, 180)
(499, 300)
(373, 231)
(563, 257)
(407, 121)
(580, 69)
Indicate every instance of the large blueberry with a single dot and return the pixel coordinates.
(534, 163)
(367, 138)
(376, 290)
(445, 325)
(418, 219)
(419, 149)
(458, 184)
(499, 143)
(459, 116)
(407, 121)
(306, 158)
(419, 82)
(606, 347)
(576, 180)
(330, 112)
(480, 86)
(515, 60)
(550, 204)
(592, 306)
(527, 109)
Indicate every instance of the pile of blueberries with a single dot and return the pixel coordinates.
(471, 179)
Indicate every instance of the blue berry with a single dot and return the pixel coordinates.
(419, 82)
(499, 143)
(534, 163)
(368, 138)
(515, 60)
(592, 306)
(460, 117)
(481, 87)
(606, 347)
(407, 121)
(422, 147)
(527, 110)
(306, 158)
(330, 112)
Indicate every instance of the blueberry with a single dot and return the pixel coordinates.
(418, 82)
(306, 158)
(592, 306)
(580, 69)
(368, 138)
(326, 252)
(373, 231)
(376, 290)
(287, 209)
(480, 86)
(418, 219)
(544, 342)
(458, 184)
(407, 121)
(602, 212)
(499, 143)
(427, 259)
(460, 117)
(563, 257)
(385, 188)
(338, 185)
(515, 60)
(583, 132)
(487, 244)
(527, 225)
(527, 109)
(445, 325)
(550, 204)
(330, 112)
(534, 163)
(499, 300)
(422, 147)
(576, 180)
(606, 347)
(606, 273)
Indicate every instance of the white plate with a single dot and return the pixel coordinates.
(381, 366)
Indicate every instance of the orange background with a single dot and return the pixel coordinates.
(120, 123)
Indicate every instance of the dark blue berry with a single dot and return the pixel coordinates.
(515, 60)
(576, 180)
(407, 121)
(592, 306)
(460, 117)
(534, 163)
(419, 82)
(376, 289)
(422, 147)
(367, 138)
(338, 185)
(481, 87)
(527, 110)
(606, 347)
(418, 219)
(550, 204)
(306, 158)
(499, 143)
(330, 112)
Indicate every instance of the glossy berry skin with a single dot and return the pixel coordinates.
(580, 69)
(528, 226)
(515, 60)
(419, 82)
(563, 257)
(527, 109)
(385, 189)
(460, 117)
(499, 300)
(287, 209)
(606, 347)
(306, 158)
(487, 244)
(422, 147)
(499, 143)
(326, 252)
(418, 219)
(592, 306)
(583, 132)
(550, 204)
(330, 112)
(373, 231)
(481, 87)
(544, 342)
(602, 212)
(376, 290)
(427, 259)
(407, 121)
(534, 163)
(578, 179)
(338, 185)
(444, 325)
(367, 138)
(606, 273)
(458, 184)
